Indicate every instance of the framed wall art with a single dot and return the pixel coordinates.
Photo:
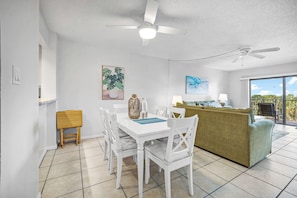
(113, 82)
(196, 85)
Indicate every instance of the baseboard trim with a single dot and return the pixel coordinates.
(91, 136)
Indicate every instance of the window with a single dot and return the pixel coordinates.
(281, 91)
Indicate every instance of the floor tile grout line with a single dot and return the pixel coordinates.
(286, 187)
(50, 166)
(229, 182)
(81, 175)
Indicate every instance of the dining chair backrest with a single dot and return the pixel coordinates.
(112, 129)
(120, 108)
(162, 111)
(103, 120)
(186, 129)
(175, 112)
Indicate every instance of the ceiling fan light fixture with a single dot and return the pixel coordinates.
(147, 32)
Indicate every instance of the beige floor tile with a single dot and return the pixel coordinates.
(129, 183)
(207, 180)
(224, 171)
(66, 157)
(279, 168)
(67, 148)
(255, 186)
(271, 177)
(90, 152)
(62, 169)
(283, 160)
(47, 161)
(41, 185)
(277, 146)
(50, 152)
(292, 188)
(76, 194)
(201, 159)
(211, 155)
(156, 192)
(284, 194)
(92, 162)
(96, 175)
(158, 177)
(43, 172)
(233, 164)
(231, 191)
(89, 143)
(180, 188)
(62, 185)
(288, 154)
(290, 148)
(105, 189)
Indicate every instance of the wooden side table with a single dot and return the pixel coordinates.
(69, 119)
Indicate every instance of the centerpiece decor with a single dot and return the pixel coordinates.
(134, 107)
(112, 83)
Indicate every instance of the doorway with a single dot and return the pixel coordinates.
(281, 91)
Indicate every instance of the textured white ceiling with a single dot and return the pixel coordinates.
(213, 27)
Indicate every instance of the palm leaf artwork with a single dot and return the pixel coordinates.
(112, 82)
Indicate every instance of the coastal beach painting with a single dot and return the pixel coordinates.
(196, 85)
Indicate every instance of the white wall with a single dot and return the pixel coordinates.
(239, 89)
(218, 81)
(79, 80)
(48, 68)
(19, 103)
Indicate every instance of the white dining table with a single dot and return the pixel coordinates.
(142, 133)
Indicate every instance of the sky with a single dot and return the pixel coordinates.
(274, 86)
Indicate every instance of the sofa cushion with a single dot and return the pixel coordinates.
(246, 110)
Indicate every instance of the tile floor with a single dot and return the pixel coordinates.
(80, 172)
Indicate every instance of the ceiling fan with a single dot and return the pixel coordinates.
(244, 51)
(148, 30)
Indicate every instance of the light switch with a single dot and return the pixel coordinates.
(16, 75)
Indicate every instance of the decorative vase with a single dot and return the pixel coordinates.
(134, 107)
(113, 93)
(144, 108)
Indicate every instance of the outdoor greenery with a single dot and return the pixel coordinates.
(291, 104)
(113, 79)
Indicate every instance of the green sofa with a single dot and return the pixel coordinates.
(232, 133)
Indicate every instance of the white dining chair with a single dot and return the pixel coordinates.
(171, 156)
(175, 112)
(105, 134)
(121, 147)
(121, 108)
(162, 111)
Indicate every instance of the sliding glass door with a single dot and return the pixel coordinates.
(281, 91)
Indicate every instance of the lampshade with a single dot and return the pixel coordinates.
(147, 32)
(176, 99)
(223, 97)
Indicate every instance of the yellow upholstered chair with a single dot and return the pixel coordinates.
(69, 119)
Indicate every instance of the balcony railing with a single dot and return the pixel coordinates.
(291, 108)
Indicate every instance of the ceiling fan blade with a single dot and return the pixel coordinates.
(170, 30)
(257, 55)
(235, 60)
(145, 42)
(266, 50)
(151, 11)
(131, 27)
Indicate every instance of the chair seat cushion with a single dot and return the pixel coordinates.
(122, 133)
(128, 143)
(159, 148)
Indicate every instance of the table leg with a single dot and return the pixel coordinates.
(140, 159)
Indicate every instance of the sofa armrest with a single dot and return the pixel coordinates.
(260, 139)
